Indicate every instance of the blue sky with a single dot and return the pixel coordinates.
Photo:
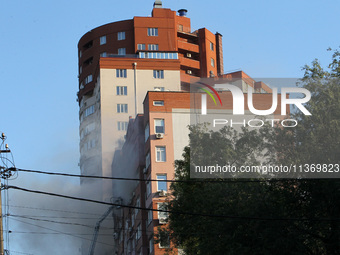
(39, 112)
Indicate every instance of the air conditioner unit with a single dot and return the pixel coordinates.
(189, 55)
(162, 220)
(189, 72)
(115, 235)
(159, 135)
(162, 193)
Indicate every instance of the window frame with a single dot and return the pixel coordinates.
(121, 36)
(161, 103)
(122, 108)
(122, 51)
(122, 125)
(102, 40)
(212, 46)
(161, 182)
(212, 62)
(152, 31)
(121, 90)
(89, 111)
(121, 73)
(146, 132)
(159, 151)
(148, 189)
(150, 219)
(158, 74)
(159, 214)
(153, 46)
(141, 46)
(158, 126)
(147, 160)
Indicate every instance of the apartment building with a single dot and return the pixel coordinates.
(154, 140)
(120, 61)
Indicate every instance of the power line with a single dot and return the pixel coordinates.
(57, 231)
(53, 210)
(57, 222)
(147, 180)
(55, 217)
(167, 211)
(49, 233)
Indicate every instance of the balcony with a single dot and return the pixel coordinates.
(190, 63)
(188, 46)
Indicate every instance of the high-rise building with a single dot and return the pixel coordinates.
(118, 64)
(120, 61)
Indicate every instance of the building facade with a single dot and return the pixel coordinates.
(154, 141)
(120, 61)
(133, 112)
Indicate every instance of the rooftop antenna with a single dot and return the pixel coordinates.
(158, 4)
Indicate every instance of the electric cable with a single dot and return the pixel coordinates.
(57, 222)
(174, 212)
(57, 231)
(148, 180)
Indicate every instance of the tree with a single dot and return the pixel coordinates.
(288, 216)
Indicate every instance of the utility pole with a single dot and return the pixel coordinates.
(2, 171)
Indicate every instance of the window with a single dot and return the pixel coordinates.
(137, 205)
(159, 126)
(80, 69)
(164, 242)
(121, 73)
(88, 111)
(161, 184)
(88, 145)
(139, 232)
(147, 160)
(162, 206)
(146, 132)
(103, 54)
(132, 218)
(180, 28)
(152, 46)
(148, 189)
(159, 89)
(121, 36)
(158, 74)
(158, 103)
(141, 46)
(102, 40)
(121, 51)
(160, 154)
(151, 244)
(122, 108)
(152, 31)
(211, 46)
(88, 129)
(121, 90)
(212, 62)
(158, 55)
(122, 125)
(88, 79)
(149, 216)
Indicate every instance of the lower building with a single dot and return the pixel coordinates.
(154, 140)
